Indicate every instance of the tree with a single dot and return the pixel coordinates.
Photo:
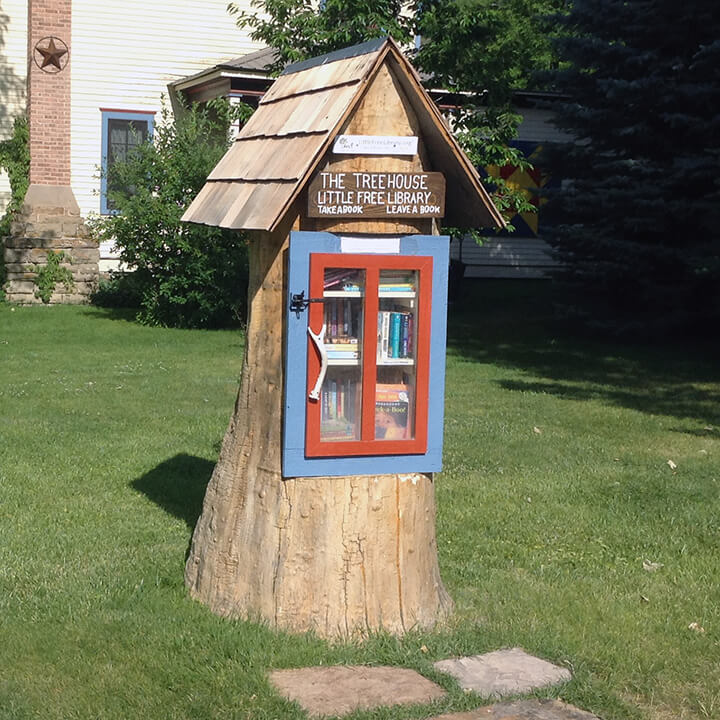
(637, 217)
(187, 275)
(485, 50)
(299, 29)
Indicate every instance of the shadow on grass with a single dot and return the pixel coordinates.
(511, 324)
(122, 314)
(178, 486)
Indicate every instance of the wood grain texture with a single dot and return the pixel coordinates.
(339, 556)
(383, 110)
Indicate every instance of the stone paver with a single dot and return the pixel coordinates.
(340, 689)
(522, 710)
(503, 672)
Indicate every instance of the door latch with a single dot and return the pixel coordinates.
(298, 302)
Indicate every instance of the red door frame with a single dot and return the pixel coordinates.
(368, 445)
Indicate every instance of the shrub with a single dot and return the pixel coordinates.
(187, 275)
(120, 290)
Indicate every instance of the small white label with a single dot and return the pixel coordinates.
(360, 245)
(375, 145)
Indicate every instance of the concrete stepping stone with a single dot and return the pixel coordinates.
(503, 672)
(340, 689)
(522, 710)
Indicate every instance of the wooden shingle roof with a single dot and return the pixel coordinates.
(276, 152)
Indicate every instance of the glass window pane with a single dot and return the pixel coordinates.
(123, 136)
(396, 355)
(341, 395)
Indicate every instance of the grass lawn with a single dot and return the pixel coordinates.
(579, 518)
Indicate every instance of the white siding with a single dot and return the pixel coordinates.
(507, 257)
(536, 126)
(124, 54)
(13, 74)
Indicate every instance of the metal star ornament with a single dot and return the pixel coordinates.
(51, 54)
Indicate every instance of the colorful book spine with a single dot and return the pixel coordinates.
(404, 335)
(395, 335)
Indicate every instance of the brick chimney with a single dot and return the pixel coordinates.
(49, 91)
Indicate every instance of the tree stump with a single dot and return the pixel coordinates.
(338, 556)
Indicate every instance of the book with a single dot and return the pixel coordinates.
(404, 335)
(383, 334)
(393, 417)
(343, 354)
(395, 330)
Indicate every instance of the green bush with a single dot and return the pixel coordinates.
(186, 275)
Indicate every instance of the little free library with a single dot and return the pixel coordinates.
(320, 514)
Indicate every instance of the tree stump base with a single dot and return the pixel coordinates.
(338, 556)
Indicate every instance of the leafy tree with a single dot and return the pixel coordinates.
(484, 49)
(187, 275)
(638, 217)
(299, 29)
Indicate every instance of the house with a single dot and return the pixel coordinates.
(92, 76)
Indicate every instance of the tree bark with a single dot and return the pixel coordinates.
(338, 556)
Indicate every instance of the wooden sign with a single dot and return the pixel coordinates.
(377, 195)
(375, 145)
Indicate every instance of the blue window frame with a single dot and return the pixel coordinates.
(121, 132)
(295, 461)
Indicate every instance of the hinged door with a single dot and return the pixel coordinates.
(365, 356)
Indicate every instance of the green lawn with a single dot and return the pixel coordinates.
(556, 489)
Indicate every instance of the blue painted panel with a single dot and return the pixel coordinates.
(295, 464)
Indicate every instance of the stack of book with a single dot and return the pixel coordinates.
(339, 399)
(400, 282)
(344, 279)
(340, 348)
(342, 319)
(396, 335)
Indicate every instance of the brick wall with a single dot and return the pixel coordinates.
(49, 96)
